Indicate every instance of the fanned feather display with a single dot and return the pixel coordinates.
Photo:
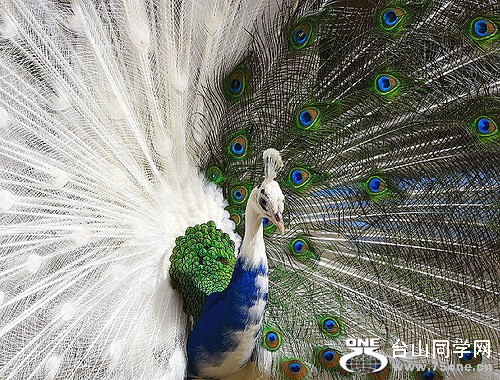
(124, 123)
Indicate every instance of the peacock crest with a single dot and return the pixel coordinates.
(141, 210)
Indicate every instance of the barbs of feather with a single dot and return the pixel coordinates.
(272, 164)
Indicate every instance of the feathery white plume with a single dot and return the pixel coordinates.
(272, 163)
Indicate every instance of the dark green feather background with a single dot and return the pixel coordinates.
(417, 259)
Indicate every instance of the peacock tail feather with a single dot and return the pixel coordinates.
(127, 124)
(390, 176)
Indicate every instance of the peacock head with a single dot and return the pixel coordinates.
(272, 202)
(268, 198)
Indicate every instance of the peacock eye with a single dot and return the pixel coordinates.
(485, 126)
(376, 185)
(328, 358)
(301, 35)
(263, 203)
(295, 369)
(471, 357)
(214, 174)
(272, 340)
(468, 356)
(235, 218)
(300, 246)
(239, 194)
(428, 375)
(330, 325)
(392, 17)
(308, 118)
(236, 83)
(483, 28)
(238, 147)
(329, 355)
(386, 83)
(299, 176)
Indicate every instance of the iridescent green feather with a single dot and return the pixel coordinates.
(395, 16)
(238, 145)
(485, 127)
(305, 31)
(214, 174)
(202, 263)
(300, 178)
(484, 30)
(302, 249)
(237, 82)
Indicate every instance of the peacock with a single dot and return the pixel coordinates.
(235, 189)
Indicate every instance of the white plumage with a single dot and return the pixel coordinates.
(97, 181)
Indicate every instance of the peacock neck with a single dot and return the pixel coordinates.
(253, 251)
(224, 338)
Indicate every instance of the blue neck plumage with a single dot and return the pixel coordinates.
(224, 337)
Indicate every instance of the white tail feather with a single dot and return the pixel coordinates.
(96, 183)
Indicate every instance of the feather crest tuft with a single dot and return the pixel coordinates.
(272, 163)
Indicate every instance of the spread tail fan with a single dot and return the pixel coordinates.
(132, 139)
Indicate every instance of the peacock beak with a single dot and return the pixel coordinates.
(277, 219)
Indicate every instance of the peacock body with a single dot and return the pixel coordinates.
(144, 237)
